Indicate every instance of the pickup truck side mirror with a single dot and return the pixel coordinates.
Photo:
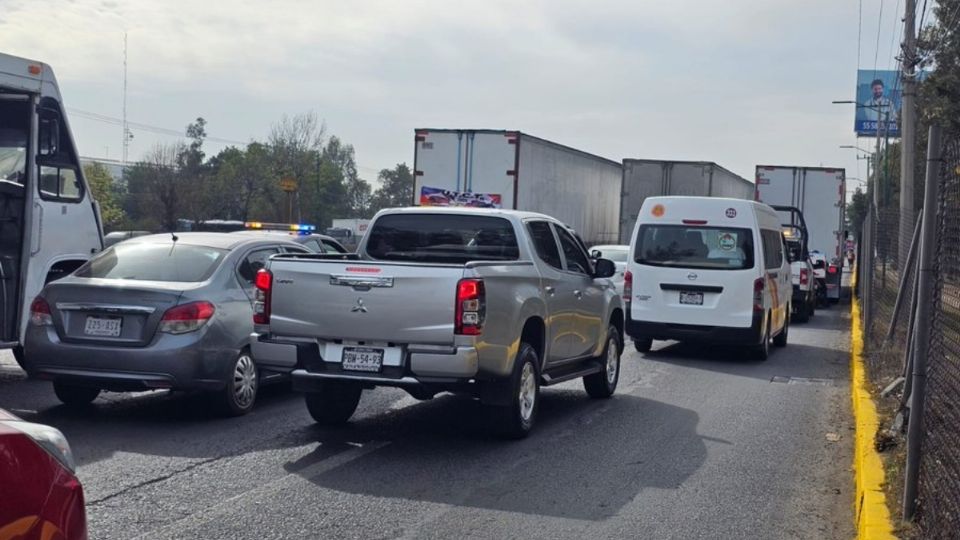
(604, 268)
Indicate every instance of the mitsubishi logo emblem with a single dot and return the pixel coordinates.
(691, 276)
(359, 308)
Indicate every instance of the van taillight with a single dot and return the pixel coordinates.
(261, 298)
(471, 307)
(804, 276)
(758, 285)
(627, 289)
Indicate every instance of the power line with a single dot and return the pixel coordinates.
(859, 32)
(876, 54)
(893, 35)
(145, 127)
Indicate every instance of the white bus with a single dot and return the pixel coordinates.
(49, 222)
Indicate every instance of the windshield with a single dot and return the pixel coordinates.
(154, 262)
(680, 246)
(440, 238)
(616, 254)
(14, 119)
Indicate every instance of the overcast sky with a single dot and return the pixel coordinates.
(734, 81)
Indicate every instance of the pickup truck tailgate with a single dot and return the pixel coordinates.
(361, 301)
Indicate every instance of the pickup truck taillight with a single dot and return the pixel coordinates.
(832, 269)
(804, 276)
(261, 298)
(758, 285)
(471, 307)
(627, 290)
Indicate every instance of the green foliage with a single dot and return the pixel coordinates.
(396, 188)
(856, 212)
(106, 193)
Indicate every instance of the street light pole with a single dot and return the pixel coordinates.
(908, 135)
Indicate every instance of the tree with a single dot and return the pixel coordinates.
(156, 187)
(104, 191)
(856, 211)
(396, 188)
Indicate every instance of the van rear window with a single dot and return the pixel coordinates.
(680, 246)
(442, 238)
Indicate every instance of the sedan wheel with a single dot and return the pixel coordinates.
(240, 392)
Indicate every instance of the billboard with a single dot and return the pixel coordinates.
(431, 196)
(878, 103)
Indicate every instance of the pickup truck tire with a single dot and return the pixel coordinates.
(643, 345)
(804, 311)
(74, 395)
(603, 384)
(240, 391)
(335, 403)
(516, 420)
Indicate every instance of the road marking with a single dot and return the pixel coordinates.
(176, 528)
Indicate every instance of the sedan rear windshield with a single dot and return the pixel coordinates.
(154, 262)
(442, 238)
(680, 246)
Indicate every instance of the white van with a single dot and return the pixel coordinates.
(709, 270)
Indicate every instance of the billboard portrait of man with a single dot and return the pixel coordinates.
(878, 100)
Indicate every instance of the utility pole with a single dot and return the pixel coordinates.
(908, 135)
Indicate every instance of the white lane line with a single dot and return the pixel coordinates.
(230, 505)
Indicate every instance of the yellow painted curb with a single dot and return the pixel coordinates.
(872, 515)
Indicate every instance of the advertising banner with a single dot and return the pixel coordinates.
(430, 196)
(878, 103)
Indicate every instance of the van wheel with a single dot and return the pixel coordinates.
(335, 403)
(762, 351)
(643, 345)
(781, 339)
(73, 395)
(516, 420)
(240, 391)
(603, 384)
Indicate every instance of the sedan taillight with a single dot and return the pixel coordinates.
(40, 312)
(186, 317)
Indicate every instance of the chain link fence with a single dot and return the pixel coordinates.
(939, 481)
(893, 297)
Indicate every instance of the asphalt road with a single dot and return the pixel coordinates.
(697, 443)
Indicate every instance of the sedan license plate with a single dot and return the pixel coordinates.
(691, 298)
(103, 326)
(362, 359)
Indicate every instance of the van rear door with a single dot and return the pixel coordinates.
(694, 273)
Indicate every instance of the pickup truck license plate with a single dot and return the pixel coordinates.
(691, 298)
(103, 326)
(362, 359)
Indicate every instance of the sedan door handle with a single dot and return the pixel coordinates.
(578, 294)
(549, 290)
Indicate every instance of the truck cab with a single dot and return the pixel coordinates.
(49, 222)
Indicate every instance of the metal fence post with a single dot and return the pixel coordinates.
(925, 289)
(866, 288)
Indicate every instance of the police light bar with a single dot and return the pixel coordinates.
(294, 227)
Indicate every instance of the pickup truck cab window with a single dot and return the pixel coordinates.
(577, 260)
(442, 238)
(545, 243)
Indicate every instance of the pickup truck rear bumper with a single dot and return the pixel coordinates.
(418, 364)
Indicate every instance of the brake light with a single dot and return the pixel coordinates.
(186, 317)
(694, 222)
(832, 269)
(261, 298)
(627, 289)
(758, 286)
(804, 276)
(471, 307)
(40, 312)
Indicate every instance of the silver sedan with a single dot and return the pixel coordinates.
(158, 311)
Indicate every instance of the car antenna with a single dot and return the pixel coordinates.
(174, 236)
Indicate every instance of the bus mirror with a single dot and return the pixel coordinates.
(49, 134)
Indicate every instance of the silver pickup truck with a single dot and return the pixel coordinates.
(492, 303)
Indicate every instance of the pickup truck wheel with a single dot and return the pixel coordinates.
(335, 403)
(603, 384)
(516, 420)
(803, 312)
(643, 345)
(240, 391)
(75, 395)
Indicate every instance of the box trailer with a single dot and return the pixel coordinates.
(820, 193)
(510, 169)
(644, 178)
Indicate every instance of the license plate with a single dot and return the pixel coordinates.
(362, 359)
(691, 298)
(103, 326)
